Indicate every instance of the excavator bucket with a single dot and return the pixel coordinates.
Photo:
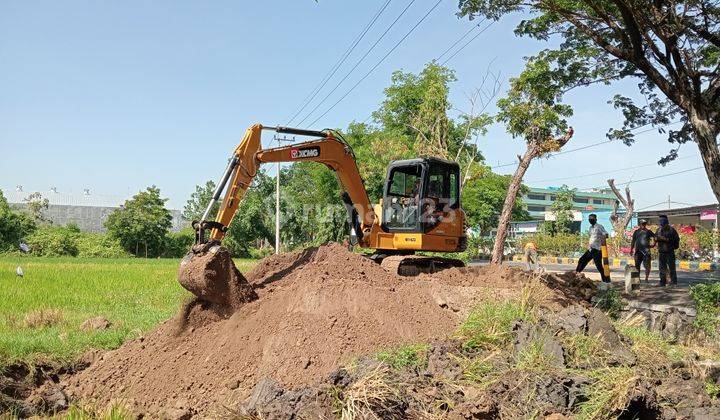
(211, 275)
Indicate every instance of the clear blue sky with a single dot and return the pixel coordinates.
(116, 96)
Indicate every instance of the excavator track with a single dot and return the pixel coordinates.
(414, 265)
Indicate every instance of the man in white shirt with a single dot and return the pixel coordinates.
(597, 236)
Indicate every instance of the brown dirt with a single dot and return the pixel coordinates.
(316, 309)
(213, 277)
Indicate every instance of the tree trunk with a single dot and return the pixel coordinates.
(620, 223)
(706, 136)
(499, 246)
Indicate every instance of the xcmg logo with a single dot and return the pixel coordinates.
(307, 152)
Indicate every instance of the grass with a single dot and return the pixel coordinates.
(413, 355)
(41, 313)
(609, 393)
(372, 396)
(489, 325)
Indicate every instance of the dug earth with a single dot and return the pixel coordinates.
(302, 339)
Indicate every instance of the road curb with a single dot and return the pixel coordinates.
(683, 265)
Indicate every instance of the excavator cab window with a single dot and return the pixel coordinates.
(419, 193)
(402, 198)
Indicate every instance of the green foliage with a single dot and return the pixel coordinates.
(142, 223)
(671, 48)
(531, 110)
(610, 301)
(255, 219)
(707, 303)
(414, 355)
(177, 244)
(98, 245)
(489, 325)
(51, 241)
(561, 244)
(14, 226)
(712, 389)
(198, 202)
(483, 196)
(36, 206)
(562, 208)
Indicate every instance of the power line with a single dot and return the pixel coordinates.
(610, 171)
(600, 143)
(653, 177)
(379, 62)
(468, 43)
(460, 39)
(309, 98)
(372, 47)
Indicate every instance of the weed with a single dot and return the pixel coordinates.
(712, 389)
(414, 355)
(477, 369)
(42, 318)
(372, 396)
(489, 325)
(609, 393)
(609, 301)
(115, 411)
(585, 351)
(707, 302)
(533, 357)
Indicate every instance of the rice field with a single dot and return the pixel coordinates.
(41, 312)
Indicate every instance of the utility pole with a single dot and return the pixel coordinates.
(277, 195)
(668, 201)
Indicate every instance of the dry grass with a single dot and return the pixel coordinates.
(373, 396)
(585, 351)
(42, 318)
(609, 394)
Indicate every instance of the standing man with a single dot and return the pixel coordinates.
(597, 236)
(668, 241)
(640, 247)
(531, 256)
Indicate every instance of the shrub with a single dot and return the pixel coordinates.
(52, 241)
(14, 226)
(97, 245)
(707, 302)
(560, 244)
(177, 244)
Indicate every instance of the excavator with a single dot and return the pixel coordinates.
(419, 211)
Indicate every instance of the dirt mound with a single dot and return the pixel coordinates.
(316, 309)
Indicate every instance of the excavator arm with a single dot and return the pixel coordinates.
(249, 155)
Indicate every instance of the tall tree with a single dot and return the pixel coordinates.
(620, 223)
(562, 209)
(141, 223)
(198, 202)
(671, 47)
(532, 111)
(37, 205)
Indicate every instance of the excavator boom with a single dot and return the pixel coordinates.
(242, 167)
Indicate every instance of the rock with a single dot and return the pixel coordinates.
(266, 390)
(572, 319)
(528, 334)
(673, 325)
(441, 363)
(98, 323)
(599, 326)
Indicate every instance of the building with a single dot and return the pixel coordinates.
(87, 211)
(705, 217)
(539, 201)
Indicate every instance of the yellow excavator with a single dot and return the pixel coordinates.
(420, 209)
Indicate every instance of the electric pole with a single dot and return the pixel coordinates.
(277, 194)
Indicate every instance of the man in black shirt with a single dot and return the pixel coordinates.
(668, 241)
(640, 247)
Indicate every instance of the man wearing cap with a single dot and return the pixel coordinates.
(597, 236)
(668, 241)
(640, 247)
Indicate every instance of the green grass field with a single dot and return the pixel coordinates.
(41, 313)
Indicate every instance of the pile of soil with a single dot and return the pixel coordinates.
(316, 309)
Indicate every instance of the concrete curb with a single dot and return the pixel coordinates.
(621, 262)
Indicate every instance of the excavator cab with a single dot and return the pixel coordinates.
(419, 194)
